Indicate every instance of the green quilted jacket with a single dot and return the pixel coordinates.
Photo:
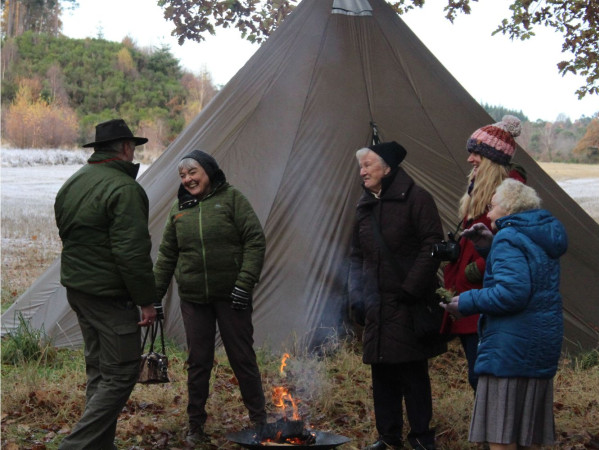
(102, 218)
(210, 245)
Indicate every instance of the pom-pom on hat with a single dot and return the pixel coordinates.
(391, 152)
(496, 142)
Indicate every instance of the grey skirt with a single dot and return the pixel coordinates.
(513, 410)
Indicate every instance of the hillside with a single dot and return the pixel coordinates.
(59, 83)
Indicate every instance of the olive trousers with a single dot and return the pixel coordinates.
(112, 348)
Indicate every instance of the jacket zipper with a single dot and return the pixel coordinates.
(206, 290)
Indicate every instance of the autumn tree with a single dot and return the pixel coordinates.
(39, 16)
(32, 122)
(200, 90)
(588, 146)
(125, 62)
(157, 131)
(55, 80)
(578, 21)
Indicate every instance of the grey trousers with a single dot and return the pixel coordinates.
(236, 331)
(112, 355)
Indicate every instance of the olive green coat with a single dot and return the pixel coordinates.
(102, 218)
(211, 246)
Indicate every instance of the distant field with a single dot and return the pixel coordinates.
(565, 171)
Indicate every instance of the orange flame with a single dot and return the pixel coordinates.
(281, 396)
(283, 363)
(281, 399)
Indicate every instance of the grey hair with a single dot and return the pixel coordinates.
(188, 164)
(514, 197)
(114, 146)
(363, 151)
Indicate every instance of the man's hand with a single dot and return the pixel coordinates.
(148, 316)
(241, 299)
(159, 311)
(479, 234)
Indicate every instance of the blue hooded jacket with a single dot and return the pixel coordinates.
(521, 326)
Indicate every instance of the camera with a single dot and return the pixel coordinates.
(447, 250)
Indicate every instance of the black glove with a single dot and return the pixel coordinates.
(159, 311)
(241, 299)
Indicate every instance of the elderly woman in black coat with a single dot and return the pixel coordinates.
(391, 269)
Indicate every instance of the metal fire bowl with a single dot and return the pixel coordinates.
(324, 440)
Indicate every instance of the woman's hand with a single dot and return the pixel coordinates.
(479, 234)
(241, 299)
(452, 307)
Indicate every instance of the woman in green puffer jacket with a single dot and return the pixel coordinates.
(214, 245)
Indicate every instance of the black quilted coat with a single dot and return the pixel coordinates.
(385, 284)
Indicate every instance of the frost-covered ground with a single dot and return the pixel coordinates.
(35, 157)
(586, 193)
(33, 177)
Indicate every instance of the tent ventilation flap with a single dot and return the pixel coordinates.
(352, 7)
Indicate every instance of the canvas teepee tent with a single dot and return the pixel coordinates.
(285, 130)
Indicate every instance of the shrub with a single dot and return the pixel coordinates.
(26, 344)
(588, 360)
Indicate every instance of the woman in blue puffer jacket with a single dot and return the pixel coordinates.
(521, 324)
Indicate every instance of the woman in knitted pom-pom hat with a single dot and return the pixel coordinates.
(490, 151)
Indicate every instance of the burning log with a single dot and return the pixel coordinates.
(285, 431)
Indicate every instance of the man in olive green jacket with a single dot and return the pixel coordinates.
(102, 217)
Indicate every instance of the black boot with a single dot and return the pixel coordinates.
(422, 441)
(382, 445)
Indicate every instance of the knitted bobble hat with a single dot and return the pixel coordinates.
(496, 142)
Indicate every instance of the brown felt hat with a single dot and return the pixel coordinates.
(114, 130)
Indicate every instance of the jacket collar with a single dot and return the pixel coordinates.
(396, 186)
(186, 200)
(108, 158)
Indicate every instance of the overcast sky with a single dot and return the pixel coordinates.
(493, 69)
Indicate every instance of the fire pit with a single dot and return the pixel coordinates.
(286, 434)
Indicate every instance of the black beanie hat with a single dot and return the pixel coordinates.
(391, 152)
(207, 162)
